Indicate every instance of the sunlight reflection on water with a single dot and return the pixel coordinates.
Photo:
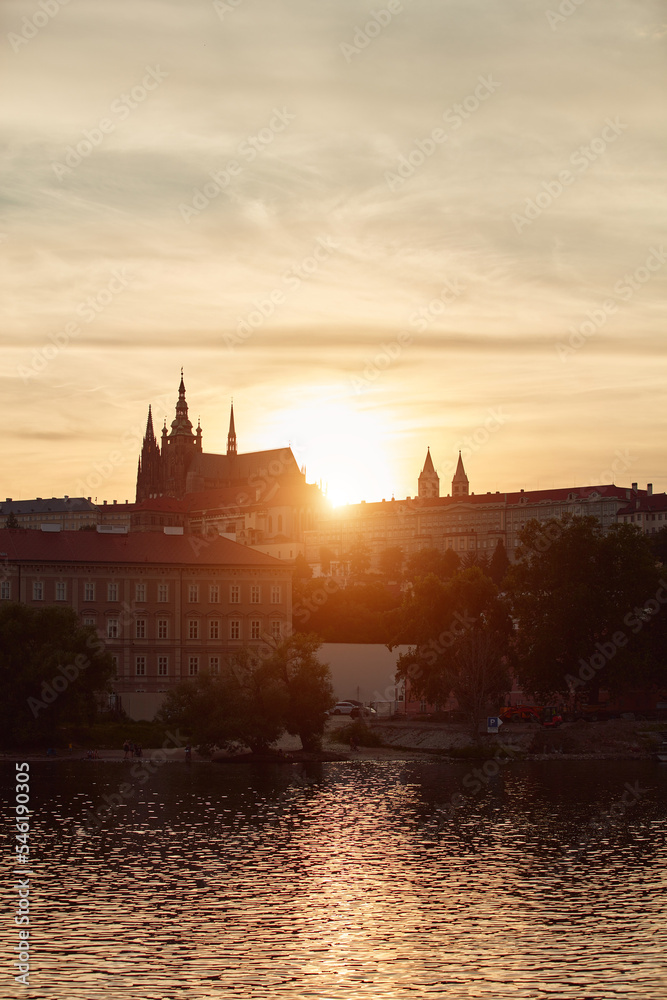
(348, 880)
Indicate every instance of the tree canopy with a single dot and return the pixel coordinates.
(257, 698)
(52, 671)
(579, 599)
(460, 630)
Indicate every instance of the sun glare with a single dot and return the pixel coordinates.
(343, 447)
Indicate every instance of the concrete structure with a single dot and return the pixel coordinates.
(167, 606)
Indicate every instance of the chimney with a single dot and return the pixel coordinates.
(634, 487)
(649, 489)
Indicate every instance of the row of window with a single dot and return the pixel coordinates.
(193, 629)
(193, 665)
(90, 592)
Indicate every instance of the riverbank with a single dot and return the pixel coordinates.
(617, 739)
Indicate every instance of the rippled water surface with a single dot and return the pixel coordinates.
(346, 880)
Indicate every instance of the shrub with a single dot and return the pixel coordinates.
(360, 732)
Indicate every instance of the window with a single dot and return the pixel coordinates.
(276, 594)
(140, 592)
(193, 628)
(214, 665)
(214, 629)
(235, 629)
(275, 630)
(140, 628)
(255, 629)
(163, 593)
(193, 593)
(255, 594)
(112, 592)
(113, 629)
(61, 591)
(5, 590)
(214, 594)
(89, 591)
(235, 594)
(37, 590)
(193, 666)
(114, 661)
(89, 620)
(140, 666)
(163, 628)
(162, 666)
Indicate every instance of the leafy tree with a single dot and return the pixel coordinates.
(360, 612)
(12, 521)
(307, 684)
(461, 632)
(301, 570)
(360, 558)
(574, 592)
(659, 545)
(52, 671)
(475, 558)
(245, 704)
(443, 565)
(391, 562)
(256, 699)
(499, 563)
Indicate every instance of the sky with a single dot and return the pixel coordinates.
(378, 227)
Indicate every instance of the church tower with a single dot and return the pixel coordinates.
(181, 445)
(231, 437)
(460, 484)
(149, 479)
(429, 481)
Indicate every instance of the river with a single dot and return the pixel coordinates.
(361, 879)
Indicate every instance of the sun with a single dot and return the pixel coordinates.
(344, 446)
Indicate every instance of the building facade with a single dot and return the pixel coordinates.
(168, 606)
(468, 522)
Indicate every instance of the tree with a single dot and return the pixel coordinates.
(12, 521)
(499, 563)
(360, 558)
(576, 597)
(257, 698)
(52, 672)
(391, 562)
(307, 684)
(462, 631)
(443, 565)
(301, 569)
(659, 546)
(477, 673)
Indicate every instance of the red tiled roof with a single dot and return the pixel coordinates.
(137, 547)
(646, 505)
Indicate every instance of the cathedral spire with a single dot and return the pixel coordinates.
(231, 437)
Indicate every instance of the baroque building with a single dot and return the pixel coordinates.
(168, 607)
(471, 524)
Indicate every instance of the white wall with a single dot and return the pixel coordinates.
(362, 671)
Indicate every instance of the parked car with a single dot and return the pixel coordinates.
(353, 708)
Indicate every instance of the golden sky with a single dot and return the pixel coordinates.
(378, 226)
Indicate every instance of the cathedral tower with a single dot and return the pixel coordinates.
(429, 481)
(149, 478)
(460, 484)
